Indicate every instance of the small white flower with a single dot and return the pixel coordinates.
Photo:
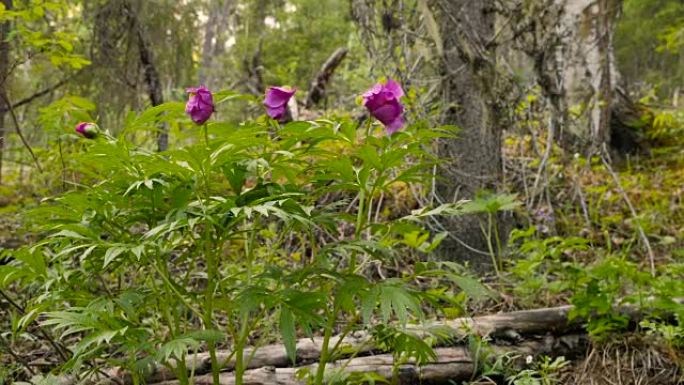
(529, 359)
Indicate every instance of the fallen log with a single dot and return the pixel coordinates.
(514, 326)
(453, 364)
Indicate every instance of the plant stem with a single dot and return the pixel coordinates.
(209, 302)
(174, 327)
(325, 354)
(244, 327)
(488, 235)
(206, 134)
(499, 246)
(360, 219)
(240, 350)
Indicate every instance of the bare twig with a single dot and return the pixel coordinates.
(318, 86)
(16, 357)
(642, 235)
(58, 346)
(40, 93)
(18, 131)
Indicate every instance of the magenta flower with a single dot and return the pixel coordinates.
(276, 101)
(200, 105)
(383, 103)
(88, 130)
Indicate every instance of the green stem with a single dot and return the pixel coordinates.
(209, 302)
(325, 354)
(488, 235)
(174, 326)
(244, 327)
(206, 134)
(360, 219)
(240, 350)
(499, 246)
(180, 369)
(173, 288)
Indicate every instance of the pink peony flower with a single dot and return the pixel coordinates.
(276, 101)
(383, 103)
(88, 130)
(200, 105)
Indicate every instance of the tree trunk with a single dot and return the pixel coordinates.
(150, 71)
(4, 64)
(473, 160)
(215, 38)
(590, 75)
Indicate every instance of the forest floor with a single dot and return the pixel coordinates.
(587, 215)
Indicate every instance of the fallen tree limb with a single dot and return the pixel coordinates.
(38, 94)
(452, 364)
(513, 326)
(320, 82)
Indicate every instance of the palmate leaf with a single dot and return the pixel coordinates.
(180, 346)
(96, 339)
(395, 299)
(76, 320)
(454, 272)
(404, 344)
(288, 332)
(351, 287)
(176, 348)
(491, 203)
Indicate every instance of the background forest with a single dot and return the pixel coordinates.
(365, 191)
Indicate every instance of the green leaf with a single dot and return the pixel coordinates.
(209, 335)
(177, 348)
(288, 331)
(111, 254)
(236, 175)
(472, 287)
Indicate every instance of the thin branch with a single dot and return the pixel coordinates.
(58, 346)
(318, 86)
(18, 131)
(642, 234)
(23, 362)
(38, 94)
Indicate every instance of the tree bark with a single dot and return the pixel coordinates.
(473, 160)
(518, 328)
(4, 68)
(214, 38)
(150, 71)
(590, 74)
(514, 326)
(451, 365)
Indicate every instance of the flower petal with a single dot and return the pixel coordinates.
(278, 96)
(276, 113)
(200, 104)
(395, 125)
(394, 88)
(388, 112)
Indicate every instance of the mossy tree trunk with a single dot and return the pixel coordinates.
(4, 74)
(473, 161)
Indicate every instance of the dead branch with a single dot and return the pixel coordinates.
(514, 325)
(321, 81)
(451, 364)
(39, 94)
(17, 129)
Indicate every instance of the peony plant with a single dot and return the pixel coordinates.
(215, 246)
